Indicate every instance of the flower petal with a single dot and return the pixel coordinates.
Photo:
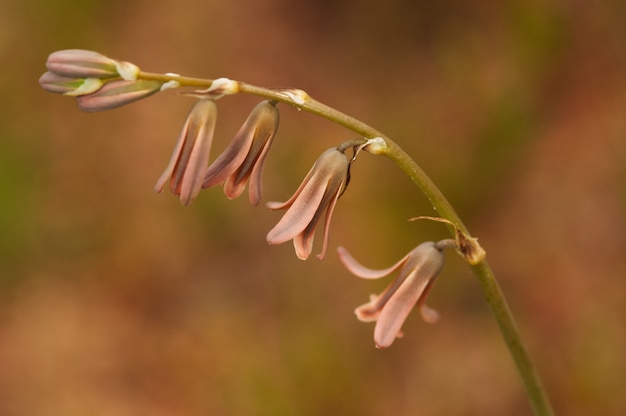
(186, 168)
(52, 82)
(359, 270)
(169, 169)
(114, 94)
(252, 164)
(338, 189)
(273, 205)
(303, 245)
(255, 186)
(397, 308)
(196, 165)
(299, 214)
(429, 315)
(369, 311)
(229, 160)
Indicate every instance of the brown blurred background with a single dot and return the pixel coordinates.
(115, 300)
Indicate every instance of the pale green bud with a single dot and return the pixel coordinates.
(52, 82)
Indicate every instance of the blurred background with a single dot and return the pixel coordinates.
(115, 300)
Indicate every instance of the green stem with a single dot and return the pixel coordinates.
(491, 290)
(497, 303)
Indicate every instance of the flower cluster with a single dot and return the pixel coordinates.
(241, 161)
(241, 164)
(97, 81)
(101, 83)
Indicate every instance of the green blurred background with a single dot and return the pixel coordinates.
(115, 300)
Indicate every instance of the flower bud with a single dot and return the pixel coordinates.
(115, 94)
(79, 63)
(52, 82)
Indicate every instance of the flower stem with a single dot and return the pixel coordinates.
(493, 294)
(499, 308)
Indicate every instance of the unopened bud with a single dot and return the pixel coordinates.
(52, 82)
(79, 63)
(115, 94)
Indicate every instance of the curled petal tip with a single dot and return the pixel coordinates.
(367, 312)
(429, 315)
(361, 271)
(386, 343)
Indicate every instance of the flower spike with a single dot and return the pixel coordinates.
(244, 158)
(317, 194)
(187, 165)
(418, 271)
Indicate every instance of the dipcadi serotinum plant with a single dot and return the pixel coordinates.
(101, 83)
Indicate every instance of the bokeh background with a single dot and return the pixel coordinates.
(115, 300)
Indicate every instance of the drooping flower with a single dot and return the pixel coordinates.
(317, 194)
(418, 271)
(190, 158)
(244, 158)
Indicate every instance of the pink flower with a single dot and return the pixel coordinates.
(187, 165)
(418, 271)
(244, 158)
(317, 194)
